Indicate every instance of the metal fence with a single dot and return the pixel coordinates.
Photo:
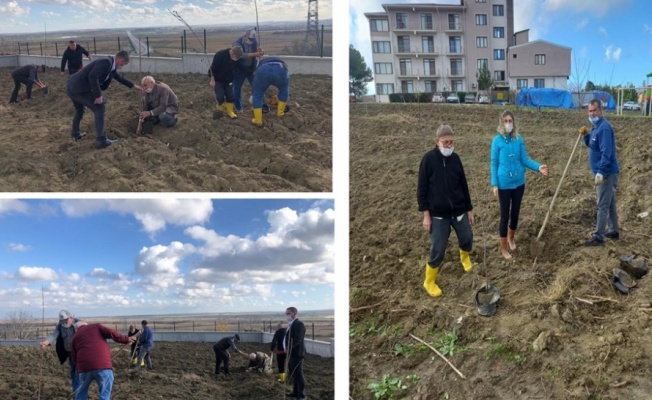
(173, 42)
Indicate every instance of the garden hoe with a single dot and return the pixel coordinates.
(537, 246)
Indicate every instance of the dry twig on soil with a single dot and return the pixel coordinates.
(440, 355)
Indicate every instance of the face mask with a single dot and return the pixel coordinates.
(289, 318)
(594, 120)
(508, 128)
(446, 151)
(149, 90)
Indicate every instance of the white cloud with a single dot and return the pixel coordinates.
(580, 25)
(611, 53)
(18, 247)
(153, 214)
(595, 8)
(647, 28)
(35, 274)
(603, 31)
(14, 9)
(616, 54)
(101, 273)
(159, 265)
(11, 205)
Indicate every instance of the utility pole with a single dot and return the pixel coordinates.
(311, 42)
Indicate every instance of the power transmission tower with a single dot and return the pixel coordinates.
(311, 43)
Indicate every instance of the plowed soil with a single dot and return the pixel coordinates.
(561, 330)
(181, 371)
(205, 151)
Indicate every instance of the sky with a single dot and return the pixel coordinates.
(118, 257)
(611, 40)
(21, 16)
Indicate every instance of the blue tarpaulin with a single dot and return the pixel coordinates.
(544, 97)
(608, 102)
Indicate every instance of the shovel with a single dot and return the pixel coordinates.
(537, 246)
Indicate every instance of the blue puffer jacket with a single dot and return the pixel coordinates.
(508, 161)
(602, 149)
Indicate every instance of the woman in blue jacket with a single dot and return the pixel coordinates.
(509, 159)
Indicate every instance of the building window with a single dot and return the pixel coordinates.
(499, 54)
(426, 21)
(454, 22)
(407, 87)
(401, 20)
(381, 47)
(499, 11)
(405, 66)
(428, 44)
(384, 88)
(481, 19)
(403, 44)
(456, 67)
(483, 63)
(455, 44)
(429, 67)
(379, 25)
(521, 83)
(480, 1)
(431, 86)
(539, 59)
(481, 42)
(499, 32)
(539, 83)
(456, 85)
(383, 68)
(499, 76)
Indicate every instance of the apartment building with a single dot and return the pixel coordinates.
(538, 64)
(431, 47)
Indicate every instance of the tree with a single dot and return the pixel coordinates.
(20, 324)
(484, 79)
(359, 73)
(589, 86)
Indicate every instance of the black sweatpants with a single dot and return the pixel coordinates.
(280, 362)
(221, 356)
(510, 208)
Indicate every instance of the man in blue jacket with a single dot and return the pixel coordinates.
(271, 71)
(85, 90)
(443, 197)
(606, 171)
(146, 345)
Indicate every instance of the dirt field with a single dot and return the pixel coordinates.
(181, 371)
(201, 153)
(561, 330)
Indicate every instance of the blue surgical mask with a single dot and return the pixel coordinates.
(594, 120)
(446, 151)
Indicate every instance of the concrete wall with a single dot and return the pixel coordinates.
(314, 347)
(189, 63)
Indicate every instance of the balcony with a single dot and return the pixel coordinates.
(452, 52)
(413, 26)
(454, 27)
(456, 73)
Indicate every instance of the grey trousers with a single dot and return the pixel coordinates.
(607, 208)
(440, 232)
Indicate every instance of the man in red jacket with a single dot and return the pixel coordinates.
(92, 356)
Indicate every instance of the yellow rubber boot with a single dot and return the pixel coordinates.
(281, 377)
(134, 361)
(229, 110)
(280, 110)
(429, 284)
(258, 117)
(466, 261)
(221, 107)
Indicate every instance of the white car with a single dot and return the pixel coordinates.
(453, 98)
(438, 98)
(631, 105)
(483, 98)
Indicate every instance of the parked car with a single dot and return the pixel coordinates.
(453, 98)
(586, 104)
(631, 105)
(471, 98)
(483, 98)
(438, 98)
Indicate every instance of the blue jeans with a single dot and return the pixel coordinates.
(440, 232)
(143, 353)
(79, 100)
(267, 75)
(239, 78)
(104, 379)
(74, 376)
(607, 210)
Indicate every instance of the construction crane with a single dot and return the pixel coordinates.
(311, 44)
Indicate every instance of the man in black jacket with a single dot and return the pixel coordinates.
(296, 351)
(221, 352)
(73, 56)
(62, 336)
(85, 89)
(221, 73)
(443, 197)
(277, 344)
(28, 76)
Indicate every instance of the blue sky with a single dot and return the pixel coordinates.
(166, 256)
(611, 39)
(55, 15)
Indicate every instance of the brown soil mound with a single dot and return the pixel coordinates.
(203, 152)
(181, 371)
(561, 330)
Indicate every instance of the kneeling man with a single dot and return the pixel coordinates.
(160, 103)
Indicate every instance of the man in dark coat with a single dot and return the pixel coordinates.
(85, 90)
(222, 355)
(296, 351)
(73, 56)
(221, 73)
(28, 76)
(277, 344)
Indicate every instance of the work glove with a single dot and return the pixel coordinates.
(583, 131)
(599, 178)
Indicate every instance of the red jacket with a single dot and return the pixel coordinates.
(89, 349)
